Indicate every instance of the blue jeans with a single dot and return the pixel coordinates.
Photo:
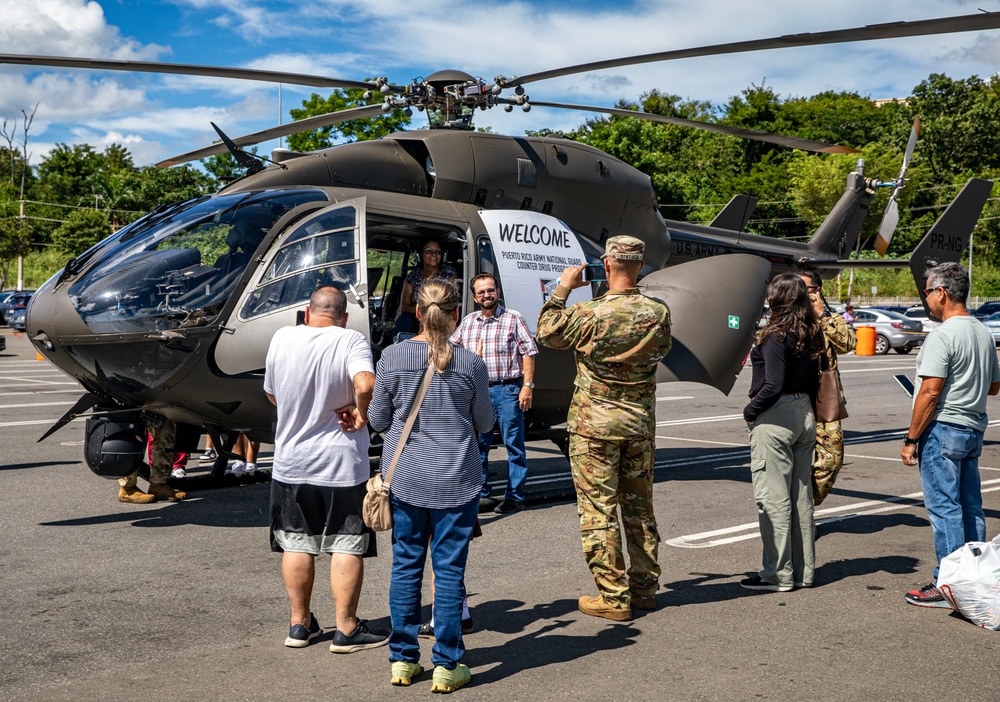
(447, 532)
(510, 418)
(949, 475)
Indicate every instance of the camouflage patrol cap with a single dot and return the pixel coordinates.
(624, 248)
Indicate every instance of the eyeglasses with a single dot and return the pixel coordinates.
(484, 291)
(928, 291)
(433, 252)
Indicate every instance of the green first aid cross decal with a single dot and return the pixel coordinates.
(734, 322)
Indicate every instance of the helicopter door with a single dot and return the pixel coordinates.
(325, 248)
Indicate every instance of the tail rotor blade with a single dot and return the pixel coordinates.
(910, 145)
(889, 221)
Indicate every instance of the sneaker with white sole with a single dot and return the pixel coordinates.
(250, 468)
(300, 636)
(209, 455)
(361, 639)
(236, 468)
(755, 582)
(178, 473)
(927, 596)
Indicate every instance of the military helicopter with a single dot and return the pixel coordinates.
(174, 313)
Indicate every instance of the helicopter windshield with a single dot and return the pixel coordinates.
(180, 269)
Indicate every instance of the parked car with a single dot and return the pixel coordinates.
(18, 320)
(16, 302)
(899, 309)
(3, 299)
(892, 330)
(920, 314)
(987, 309)
(993, 324)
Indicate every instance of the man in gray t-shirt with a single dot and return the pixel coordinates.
(956, 370)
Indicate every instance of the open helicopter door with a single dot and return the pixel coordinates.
(324, 248)
(715, 304)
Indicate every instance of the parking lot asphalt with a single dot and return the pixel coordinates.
(184, 601)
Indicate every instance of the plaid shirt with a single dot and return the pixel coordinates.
(501, 340)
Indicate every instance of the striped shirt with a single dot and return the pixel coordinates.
(502, 340)
(440, 465)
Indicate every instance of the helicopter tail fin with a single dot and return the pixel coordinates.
(949, 235)
(735, 215)
(838, 233)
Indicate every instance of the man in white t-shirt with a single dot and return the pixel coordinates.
(956, 370)
(320, 377)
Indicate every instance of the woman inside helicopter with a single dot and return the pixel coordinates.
(430, 267)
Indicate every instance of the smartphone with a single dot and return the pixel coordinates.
(905, 383)
(594, 273)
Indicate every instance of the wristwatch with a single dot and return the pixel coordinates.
(530, 386)
(907, 441)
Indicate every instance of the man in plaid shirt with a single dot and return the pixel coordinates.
(501, 338)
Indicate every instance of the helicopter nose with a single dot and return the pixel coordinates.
(50, 321)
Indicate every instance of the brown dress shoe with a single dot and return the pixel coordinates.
(647, 602)
(165, 492)
(134, 495)
(597, 607)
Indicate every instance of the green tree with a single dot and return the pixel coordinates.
(15, 241)
(81, 230)
(354, 130)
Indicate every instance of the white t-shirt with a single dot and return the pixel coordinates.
(310, 372)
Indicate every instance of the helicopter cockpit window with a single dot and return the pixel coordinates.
(319, 252)
(182, 267)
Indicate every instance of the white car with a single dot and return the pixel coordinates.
(920, 314)
(993, 324)
(892, 330)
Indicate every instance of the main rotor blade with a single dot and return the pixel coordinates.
(891, 30)
(186, 69)
(303, 125)
(791, 142)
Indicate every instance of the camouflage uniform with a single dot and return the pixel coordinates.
(619, 338)
(164, 437)
(829, 457)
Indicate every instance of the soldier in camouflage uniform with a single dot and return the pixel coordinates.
(839, 338)
(164, 435)
(618, 339)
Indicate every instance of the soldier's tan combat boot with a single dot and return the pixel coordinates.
(133, 495)
(597, 607)
(165, 492)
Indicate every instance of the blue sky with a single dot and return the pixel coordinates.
(160, 116)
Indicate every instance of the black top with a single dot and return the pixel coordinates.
(778, 370)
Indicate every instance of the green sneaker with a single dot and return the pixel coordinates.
(450, 680)
(403, 672)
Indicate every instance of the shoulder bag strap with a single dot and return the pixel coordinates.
(409, 424)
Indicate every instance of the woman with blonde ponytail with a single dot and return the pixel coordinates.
(434, 491)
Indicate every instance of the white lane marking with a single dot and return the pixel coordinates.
(880, 369)
(17, 381)
(38, 404)
(678, 397)
(889, 504)
(699, 441)
(38, 421)
(698, 420)
(42, 392)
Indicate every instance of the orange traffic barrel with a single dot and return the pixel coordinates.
(866, 341)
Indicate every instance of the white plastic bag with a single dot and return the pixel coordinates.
(969, 579)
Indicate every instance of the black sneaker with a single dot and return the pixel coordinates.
(299, 636)
(755, 582)
(927, 596)
(509, 507)
(426, 630)
(208, 455)
(360, 640)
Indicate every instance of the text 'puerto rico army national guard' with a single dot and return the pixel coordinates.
(618, 339)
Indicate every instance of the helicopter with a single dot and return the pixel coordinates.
(174, 313)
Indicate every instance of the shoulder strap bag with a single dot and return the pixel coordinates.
(375, 509)
(829, 405)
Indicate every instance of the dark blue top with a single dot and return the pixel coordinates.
(440, 467)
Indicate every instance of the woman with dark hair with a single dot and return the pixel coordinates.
(434, 490)
(431, 267)
(783, 434)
